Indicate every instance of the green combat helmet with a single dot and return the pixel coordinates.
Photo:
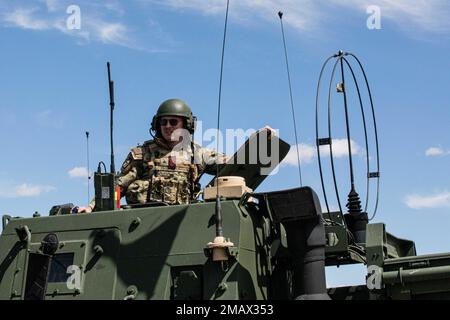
(174, 107)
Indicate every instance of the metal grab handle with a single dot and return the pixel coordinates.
(24, 234)
(5, 220)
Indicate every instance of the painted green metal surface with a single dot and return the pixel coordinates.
(146, 248)
(159, 253)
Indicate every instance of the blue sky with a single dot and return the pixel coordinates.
(53, 88)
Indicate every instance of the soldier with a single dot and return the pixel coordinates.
(167, 168)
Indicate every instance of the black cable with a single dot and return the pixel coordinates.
(280, 14)
(99, 166)
(376, 133)
(331, 137)
(317, 132)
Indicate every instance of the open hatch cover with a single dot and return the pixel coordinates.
(256, 158)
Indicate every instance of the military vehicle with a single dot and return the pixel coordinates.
(235, 244)
(277, 246)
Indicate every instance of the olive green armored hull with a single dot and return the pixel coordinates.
(160, 253)
(149, 253)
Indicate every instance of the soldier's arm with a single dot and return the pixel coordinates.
(128, 174)
(210, 160)
(130, 170)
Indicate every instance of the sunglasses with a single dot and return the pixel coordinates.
(173, 122)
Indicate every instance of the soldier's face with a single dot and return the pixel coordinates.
(169, 125)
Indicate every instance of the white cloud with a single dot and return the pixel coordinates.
(93, 26)
(52, 5)
(114, 6)
(309, 152)
(436, 151)
(204, 7)
(303, 17)
(78, 172)
(307, 15)
(23, 190)
(425, 15)
(27, 190)
(23, 18)
(340, 148)
(83, 34)
(439, 200)
(112, 32)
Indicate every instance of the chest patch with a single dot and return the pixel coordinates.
(172, 162)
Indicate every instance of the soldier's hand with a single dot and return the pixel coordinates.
(84, 210)
(270, 130)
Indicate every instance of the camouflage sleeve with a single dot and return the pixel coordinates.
(209, 159)
(129, 170)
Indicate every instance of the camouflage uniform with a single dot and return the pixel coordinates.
(154, 172)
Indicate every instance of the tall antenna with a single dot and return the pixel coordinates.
(88, 168)
(280, 14)
(220, 245)
(353, 199)
(219, 230)
(111, 104)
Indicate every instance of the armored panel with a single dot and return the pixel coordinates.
(294, 204)
(256, 159)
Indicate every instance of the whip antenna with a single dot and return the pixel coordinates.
(280, 14)
(88, 170)
(219, 230)
(111, 104)
(220, 245)
(356, 217)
